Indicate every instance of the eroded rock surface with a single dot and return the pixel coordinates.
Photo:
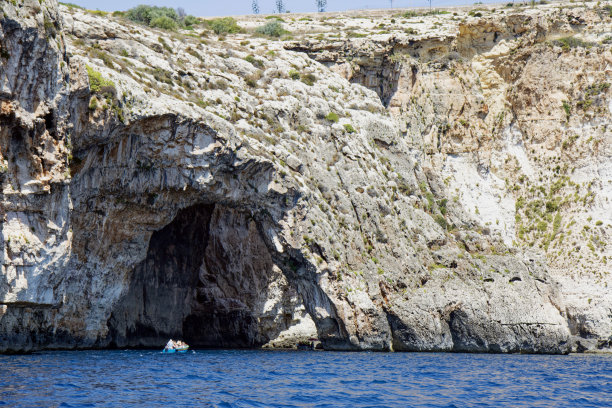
(159, 185)
(511, 109)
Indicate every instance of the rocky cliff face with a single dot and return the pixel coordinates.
(512, 111)
(237, 193)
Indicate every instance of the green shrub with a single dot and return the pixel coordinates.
(568, 109)
(71, 5)
(349, 128)
(431, 201)
(309, 79)
(276, 18)
(160, 17)
(441, 221)
(332, 117)
(145, 14)
(165, 45)
(257, 63)
(225, 25)
(552, 206)
(96, 82)
(411, 13)
(49, 27)
(353, 34)
(163, 22)
(405, 187)
(193, 52)
(93, 103)
(596, 88)
(442, 205)
(556, 223)
(435, 12)
(572, 42)
(190, 21)
(272, 29)
(569, 142)
(293, 74)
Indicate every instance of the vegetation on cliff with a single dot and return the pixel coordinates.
(161, 17)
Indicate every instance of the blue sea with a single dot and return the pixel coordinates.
(255, 378)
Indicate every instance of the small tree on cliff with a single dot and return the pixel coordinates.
(255, 7)
(321, 4)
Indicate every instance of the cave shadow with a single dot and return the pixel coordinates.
(205, 279)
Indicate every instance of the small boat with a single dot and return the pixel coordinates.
(176, 347)
(182, 349)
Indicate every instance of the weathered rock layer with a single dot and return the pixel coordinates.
(158, 185)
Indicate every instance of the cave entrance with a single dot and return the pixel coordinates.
(206, 279)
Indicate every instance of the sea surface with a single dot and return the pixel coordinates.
(235, 378)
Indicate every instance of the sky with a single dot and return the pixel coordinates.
(206, 8)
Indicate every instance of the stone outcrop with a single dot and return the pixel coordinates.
(239, 194)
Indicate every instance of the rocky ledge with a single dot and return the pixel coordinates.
(444, 188)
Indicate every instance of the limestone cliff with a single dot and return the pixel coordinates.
(237, 193)
(511, 110)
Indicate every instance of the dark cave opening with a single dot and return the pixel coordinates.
(50, 124)
(204, 275)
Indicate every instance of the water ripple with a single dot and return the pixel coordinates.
(253, 379)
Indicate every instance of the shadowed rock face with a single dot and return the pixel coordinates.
(161, 286)
(232, 288)
(205, 279)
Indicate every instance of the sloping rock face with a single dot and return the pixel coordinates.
(237, 194)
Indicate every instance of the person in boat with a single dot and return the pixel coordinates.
(171, 345)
